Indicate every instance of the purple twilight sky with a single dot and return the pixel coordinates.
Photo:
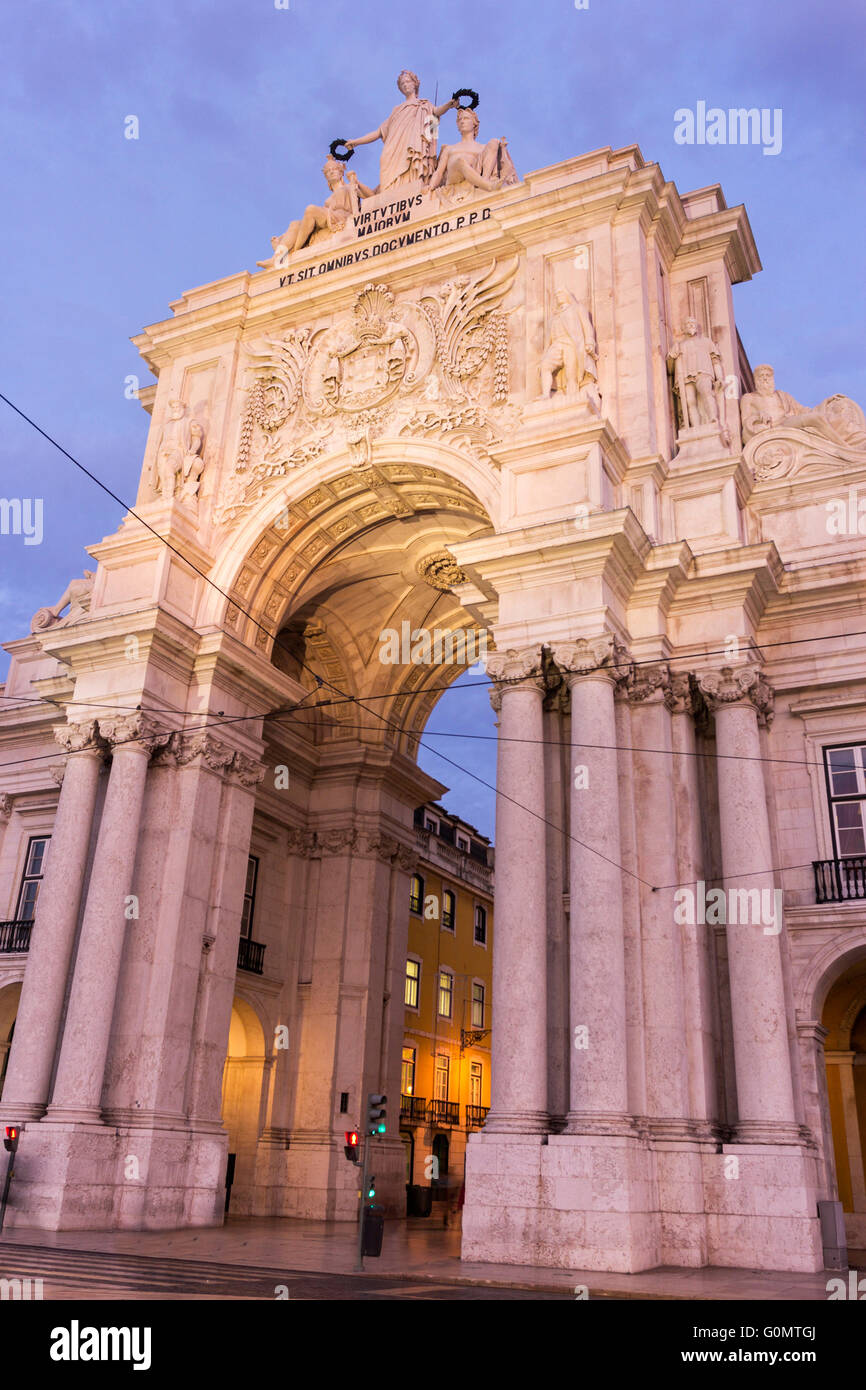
(237, 101)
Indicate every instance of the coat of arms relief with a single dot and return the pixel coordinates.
(434, 365)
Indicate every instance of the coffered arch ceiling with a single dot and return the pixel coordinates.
(352, 560)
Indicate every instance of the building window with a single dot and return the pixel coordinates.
(416, 894)
(846, 781)
(34, 868)
(480, 925)
(477, 1005)
(430, 823)
(474, 1083)
(463, 842)
(413, 983)
(449, 910)
(441, 1076)
(407, 1072)
(249, 896)
(446, 994)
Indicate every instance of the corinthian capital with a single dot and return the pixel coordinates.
(732, 685)
(135, 728)
(216, 754)
(588, 655)
(513, 668)
(248, 771)
(650, 682)
(76, 737)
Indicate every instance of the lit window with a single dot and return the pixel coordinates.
(416, 894)
(475, 1083)
(480, 925)
(407, 1072)
(249, 896)
(413, 980)
(31, 879)
(477, 1005)
(441, 1077)
(449, 910)
(846, 778)
(446, 994)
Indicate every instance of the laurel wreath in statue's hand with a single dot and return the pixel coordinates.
(465, 92)
(335, 153)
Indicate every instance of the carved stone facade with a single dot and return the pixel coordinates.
(476, 419)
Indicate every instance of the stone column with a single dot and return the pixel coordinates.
(686, 705)
(762, 1057)
(78, 1084)
(599, 1073)
(519, 1102)
(667, 1072)
(28, 1076)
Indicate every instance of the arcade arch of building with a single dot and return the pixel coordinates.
(507, 434)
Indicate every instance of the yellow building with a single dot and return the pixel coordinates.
(445, 1080)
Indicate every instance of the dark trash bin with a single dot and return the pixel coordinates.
(374, 1227)
(419, 1200)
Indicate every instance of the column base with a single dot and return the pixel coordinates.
(623, 1203)
(74, 1175)
(599, 1122)
(770, 1132)
(517, 1122)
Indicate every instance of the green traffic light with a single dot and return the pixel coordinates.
(380, 1129)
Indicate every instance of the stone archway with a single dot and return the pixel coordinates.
(9, 997)
(844, 1019)
(244, 1096)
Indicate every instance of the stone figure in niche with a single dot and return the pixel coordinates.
(179, 457)
(484, 166)
(696, 364)
(321, 223)
(838, 419)
(570, 360)
(193, 463)
(77, 595)
(408, 136)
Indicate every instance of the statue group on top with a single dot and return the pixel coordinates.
(409, 161)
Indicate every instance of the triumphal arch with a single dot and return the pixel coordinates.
(461, 398)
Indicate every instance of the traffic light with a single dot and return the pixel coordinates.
(371, 1188)
(10, 1142)
(350, 1148)
(376, 1114)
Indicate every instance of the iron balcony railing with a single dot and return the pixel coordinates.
(15, 935)
(444, 1112)
(840, 880)
(413, 1109)
(251, 956)
(476, 1115)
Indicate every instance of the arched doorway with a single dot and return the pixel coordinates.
(243, 1103)
(9, 997)
(844, 1018)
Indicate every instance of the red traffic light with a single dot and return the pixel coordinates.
(350, 1148)
(10, 1141)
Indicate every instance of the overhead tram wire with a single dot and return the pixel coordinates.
(321, 681)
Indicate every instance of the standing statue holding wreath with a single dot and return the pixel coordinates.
(408, 136)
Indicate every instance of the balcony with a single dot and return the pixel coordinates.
(476, 1115)
(413, 1109)
(251, 956)
(840, 880)
(15, 935)
(444, 1112)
